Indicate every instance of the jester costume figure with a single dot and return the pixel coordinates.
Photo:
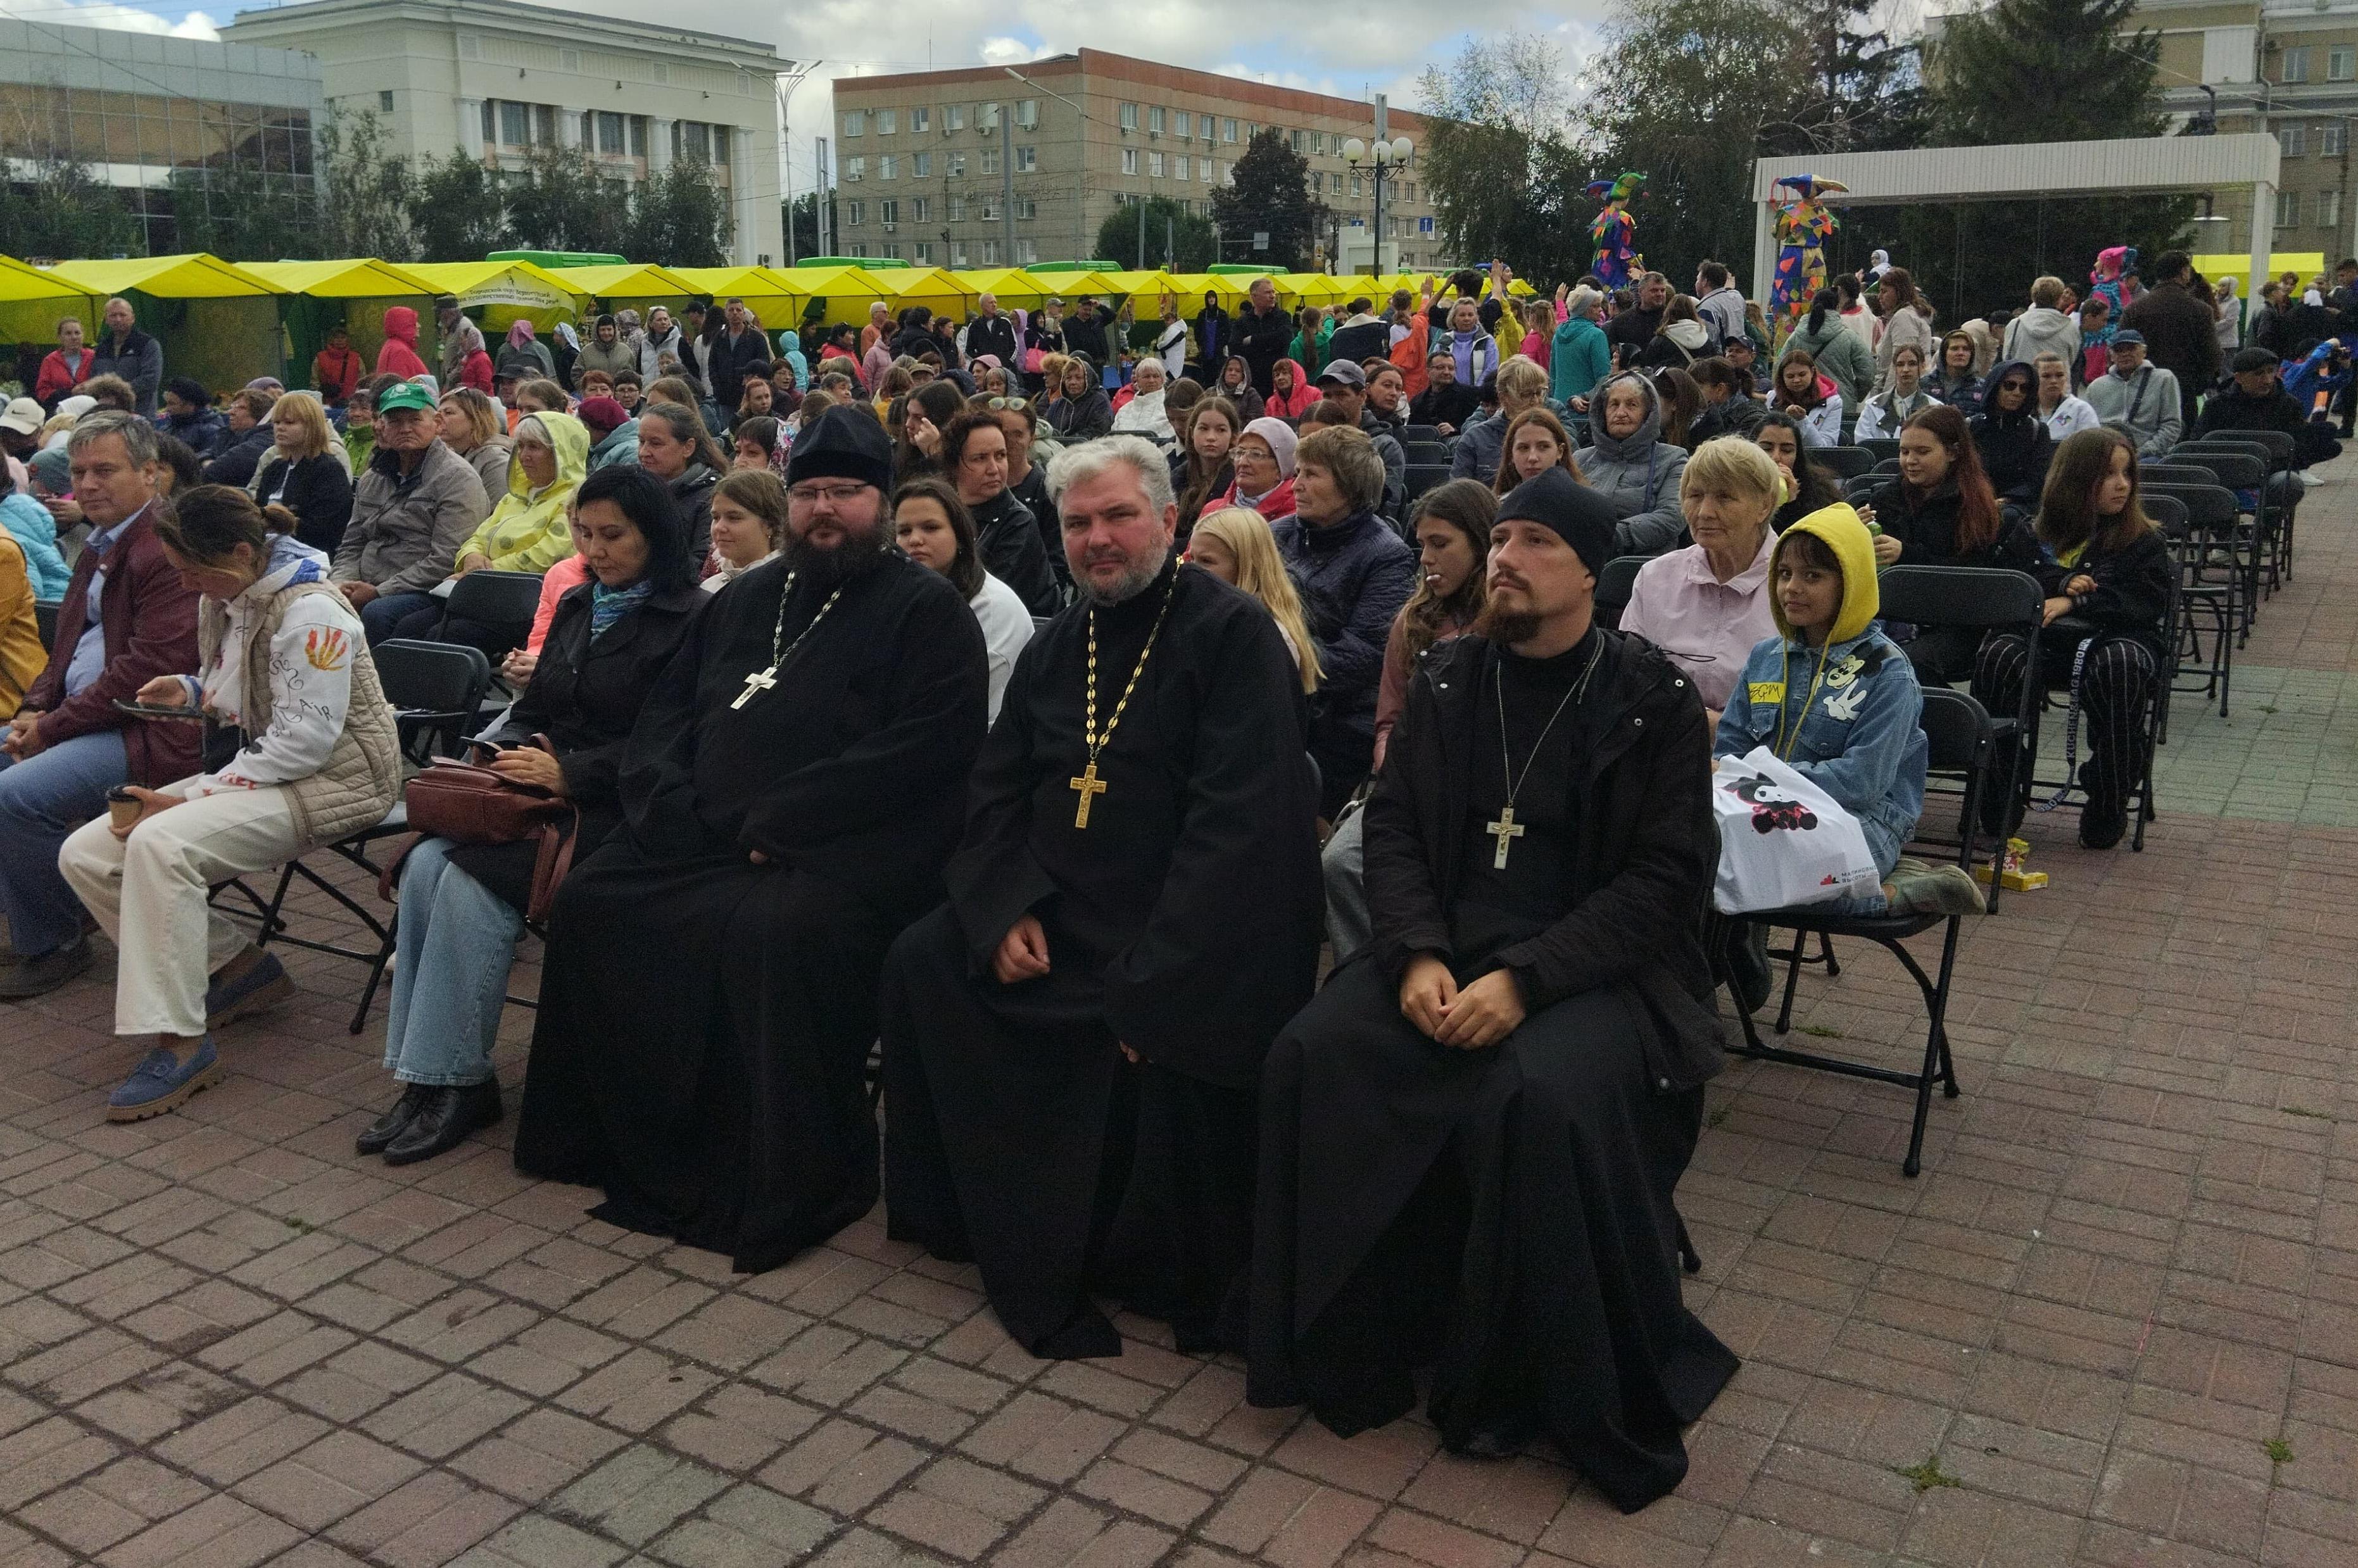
(1615, 232)
(1804, 224)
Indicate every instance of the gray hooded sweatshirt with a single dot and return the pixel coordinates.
(1638, 473)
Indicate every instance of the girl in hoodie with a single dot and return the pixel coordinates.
(398, 355)
(1682, 339)
(1799, 392)
(1627, 463)
(1954, 381)
(282, 658)
(1836, 700)
(2009, 435)
(1263, 456)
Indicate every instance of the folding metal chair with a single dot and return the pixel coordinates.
(1959, 737)
(506, 601)
(1614, 585)
(1885, 448)
(2206, 514)
(45, 618)
(1842, 462)
(1425, 477)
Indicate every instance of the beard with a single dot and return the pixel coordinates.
(1137, 575)
(1506, 627)
(831, 566)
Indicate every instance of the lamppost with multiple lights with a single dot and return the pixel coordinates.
(1383, 161)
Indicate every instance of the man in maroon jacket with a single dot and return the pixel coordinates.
(127, 618)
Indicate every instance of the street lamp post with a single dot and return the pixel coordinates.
(1384, 161)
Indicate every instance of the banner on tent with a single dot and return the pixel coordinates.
(521, 292)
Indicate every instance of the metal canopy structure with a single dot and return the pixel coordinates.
(2128, 166)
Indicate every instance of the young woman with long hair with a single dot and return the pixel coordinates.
(1808, 486)
(1206, 469)
(1796, 392)
(935, 529)
(1954, 382)
(1536, 442)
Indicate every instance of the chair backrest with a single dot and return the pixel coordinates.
(1614, 585)
(1957, 735)
(1885, 448)
(1843, 461)
(2236, 470)
(2278, 444)
(2209, 507)
(1960, 596)
(1422, 477)
(1426, 451)
(497, 598)
(434, 687)
(2183, 468)
(1421, 433)
(1889, 465)
(45, 617)
(2167, 511)
(1859, 486)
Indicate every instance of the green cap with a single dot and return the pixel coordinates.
(408, 395)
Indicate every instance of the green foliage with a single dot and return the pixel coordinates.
(1927, 1475)
(678, 218)
(1268, 192)
(2279, 1451)
(1176, 239)
(366, 191)
(1498, 159)
(234, 210)
(53, 208)
(560, 202)
(457, 212)
(802, 224)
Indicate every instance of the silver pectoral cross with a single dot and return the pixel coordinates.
(1506, 830)
(760, 680)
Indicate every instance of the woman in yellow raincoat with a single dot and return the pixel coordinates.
(528, 530)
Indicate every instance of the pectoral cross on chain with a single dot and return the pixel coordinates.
(1088, 783)
(760, 680)
(1506, 830)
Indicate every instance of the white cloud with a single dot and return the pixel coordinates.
(104, 14)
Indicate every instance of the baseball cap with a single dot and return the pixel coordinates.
(23, 415)
(407, 394)
(2128, 337)
(1344, 371)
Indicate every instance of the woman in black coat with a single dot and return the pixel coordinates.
(2012, 440)
(303, 472)
(463, 906)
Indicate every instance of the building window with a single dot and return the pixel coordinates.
(1355, 184)
(954, 209)
(2293, 139)
(957, 166)
(638, 136)
(986, 211)
(2329, 209)
(1183, 123)
(921, 253)
(987, 118)
(991, 160)
(888, 122)
(1026, 251)
(1205, 165)
(855, 168)
(1301, 141)
(991, 253)
(1318, 143)
(858, 248)
(1154, 166)
(720, 147)
(516, 123)
(384, 100)
(855, 124)
(1026, 209)
(921, 120)
(2288, 208)
(2296, 65)
(1154, 120)
(954, 117)
(609, 132)
(2332, 138)
(1179, 166)
(855, 212)
(921, 166)
(1333, 183)
(1027, 114)
(889, 210)
(1027, 160)
(957, 255)
(1227, 130)
(1129, 160)
(888, 168)
(920, 209)
(1129, 116)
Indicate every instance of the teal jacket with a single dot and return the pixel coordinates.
(1579, 359)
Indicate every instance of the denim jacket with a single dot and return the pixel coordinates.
(1856, 730)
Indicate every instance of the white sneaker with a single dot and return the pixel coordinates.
(2310, 479)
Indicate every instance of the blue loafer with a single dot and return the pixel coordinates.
(161, 1082)
(263, 985)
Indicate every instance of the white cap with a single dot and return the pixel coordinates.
(80, 403)
(23, 415)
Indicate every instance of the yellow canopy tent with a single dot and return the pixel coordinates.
(1142, 289)
(944, 293)
(628, 286)
(1299, 288)
(354, 294)
(1190, 288)
(2306, 264)
(219, 322)
(33, 300)
(773, 298)
(505, 291)
(846, 292)
(1070, 286)
(1016, 288)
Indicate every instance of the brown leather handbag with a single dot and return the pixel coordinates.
(468, 804)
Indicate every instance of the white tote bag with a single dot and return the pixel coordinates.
(1782, 840)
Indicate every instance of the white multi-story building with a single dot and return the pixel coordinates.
(499, 80)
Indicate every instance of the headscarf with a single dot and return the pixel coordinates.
(471, 337)
(520, 333)
(566, 335)
(1281, 441)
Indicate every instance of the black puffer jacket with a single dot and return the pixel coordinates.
(1641, 868)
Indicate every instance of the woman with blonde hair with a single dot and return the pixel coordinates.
(1236, 546)
(304, 471)
(471, 427)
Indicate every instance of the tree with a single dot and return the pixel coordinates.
(233, 210)
(1176, 239)
(457, 212)
(678, 218)
(1269, 191)
(1498, 159)
(53, 208)
(366, 191)
(802, 225)
(560, 202)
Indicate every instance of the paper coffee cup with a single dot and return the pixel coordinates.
(122, 807)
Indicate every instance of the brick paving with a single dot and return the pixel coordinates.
(2115, 1321)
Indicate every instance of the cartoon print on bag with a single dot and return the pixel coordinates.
(1772, 810)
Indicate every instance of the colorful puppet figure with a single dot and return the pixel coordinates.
(1804, 224)
(1614, 231)
(2116, 270)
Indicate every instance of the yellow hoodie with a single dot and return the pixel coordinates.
(526, 532)
(1839, 529)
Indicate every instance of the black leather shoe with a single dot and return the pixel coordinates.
(393, 1122)
(443, 1120)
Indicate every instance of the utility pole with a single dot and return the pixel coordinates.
(1383, 136)
(787, 158)
(1007, 184)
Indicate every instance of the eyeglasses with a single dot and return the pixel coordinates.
(834, 494)
(996, 404)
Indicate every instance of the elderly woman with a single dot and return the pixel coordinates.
(1145, 413)
(1706, 605)
(1263, 459)
(282, 661)
(462, 907)
(1629, 463)
(1080, 411)
(304, 471)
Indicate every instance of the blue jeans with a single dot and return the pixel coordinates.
(1885, 850)
(453, 946)
(43, 799)
(380, 615)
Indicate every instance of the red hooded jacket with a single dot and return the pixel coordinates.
(399, 355)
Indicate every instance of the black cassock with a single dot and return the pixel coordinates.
(1182, 921)
(705, 1020)
(1504, 1215)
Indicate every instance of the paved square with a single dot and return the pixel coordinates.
(2115, 1321)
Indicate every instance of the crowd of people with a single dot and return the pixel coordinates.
(957, 676)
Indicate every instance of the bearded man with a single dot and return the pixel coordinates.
(790, 793)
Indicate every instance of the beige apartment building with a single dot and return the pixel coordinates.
(918, 176)
(2289, 70)
(496, 79)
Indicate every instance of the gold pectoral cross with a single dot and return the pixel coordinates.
(760, 680)
(1506, 830)
(1088, 783)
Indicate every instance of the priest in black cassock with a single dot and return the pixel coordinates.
(1071, 1045)
(1471, 1139)
(790, 792)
